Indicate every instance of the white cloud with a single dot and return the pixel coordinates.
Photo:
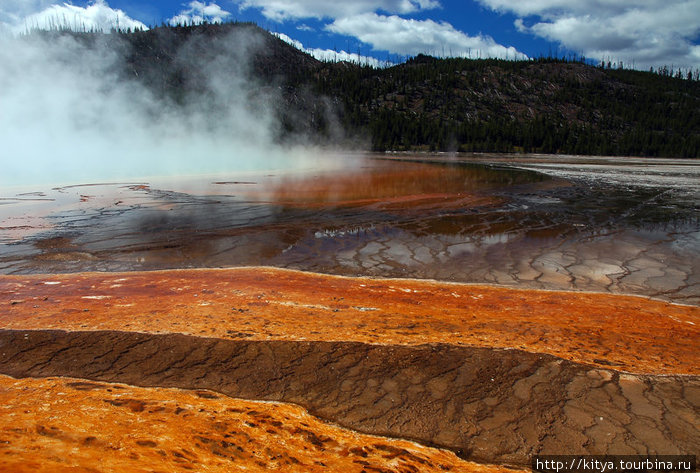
(96, 16)
(376, 22)
(330, 55)
(539, 7)
(643, 32)
(13, 11)
(412, 37)
(280, 10)
(199, 12)
(296, 43)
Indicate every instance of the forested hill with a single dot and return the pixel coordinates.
(543, 106)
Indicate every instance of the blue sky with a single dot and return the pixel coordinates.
(640, 33)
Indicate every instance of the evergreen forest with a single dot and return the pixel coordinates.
(544, 105)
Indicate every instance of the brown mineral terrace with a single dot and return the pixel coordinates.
(627, 333)
(121, 428)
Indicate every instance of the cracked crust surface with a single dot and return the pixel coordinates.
(444, 218)
(122, 428)
(631, 334)
(493, 374)
(488, 405)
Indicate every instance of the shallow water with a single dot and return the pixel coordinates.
(613, 225)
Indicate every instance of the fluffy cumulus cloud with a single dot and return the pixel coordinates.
(378, 23)
(98, 16)
(197, 13)
(280, 10)
(411, 37)
(331, 55)
(642, 33)
(12, 12)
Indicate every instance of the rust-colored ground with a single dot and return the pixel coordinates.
(375, 185)
(121, 428)
(627, 333)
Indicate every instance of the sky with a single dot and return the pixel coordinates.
(638, 33)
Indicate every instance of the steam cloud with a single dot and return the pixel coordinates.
(68, 115)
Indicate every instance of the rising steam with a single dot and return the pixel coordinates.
(69, 112)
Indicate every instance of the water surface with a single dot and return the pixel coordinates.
(612, 225)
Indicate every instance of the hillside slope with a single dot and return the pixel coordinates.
(544, 106)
